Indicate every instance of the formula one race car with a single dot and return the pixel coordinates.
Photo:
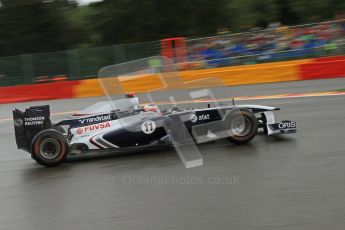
(100, 128)
(119, 124)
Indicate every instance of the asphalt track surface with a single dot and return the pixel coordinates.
(287, 182)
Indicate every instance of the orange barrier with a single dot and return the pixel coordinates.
(307, 69)
(260, 73)
(239, 75)
(92, 87)
(88, 88)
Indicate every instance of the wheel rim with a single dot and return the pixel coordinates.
(49, 148)
(240, 126)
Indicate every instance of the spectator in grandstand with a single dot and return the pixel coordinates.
(276, 42)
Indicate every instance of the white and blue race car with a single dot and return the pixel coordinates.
(100, 128)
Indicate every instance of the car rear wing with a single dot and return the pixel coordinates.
(29, 123)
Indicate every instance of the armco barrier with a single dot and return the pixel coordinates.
(250, 74)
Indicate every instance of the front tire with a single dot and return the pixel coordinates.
(49, 148)
(243, 126)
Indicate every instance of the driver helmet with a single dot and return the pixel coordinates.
(151, 108)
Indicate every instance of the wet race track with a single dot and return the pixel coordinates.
(287, 182)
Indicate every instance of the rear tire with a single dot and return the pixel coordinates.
(49, 148)
(243, 126)
(58, 128)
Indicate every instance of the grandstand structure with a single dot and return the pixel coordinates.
(274, 44)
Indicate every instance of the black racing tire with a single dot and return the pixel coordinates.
(243, 126)
(58, 128)
(49, 148)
